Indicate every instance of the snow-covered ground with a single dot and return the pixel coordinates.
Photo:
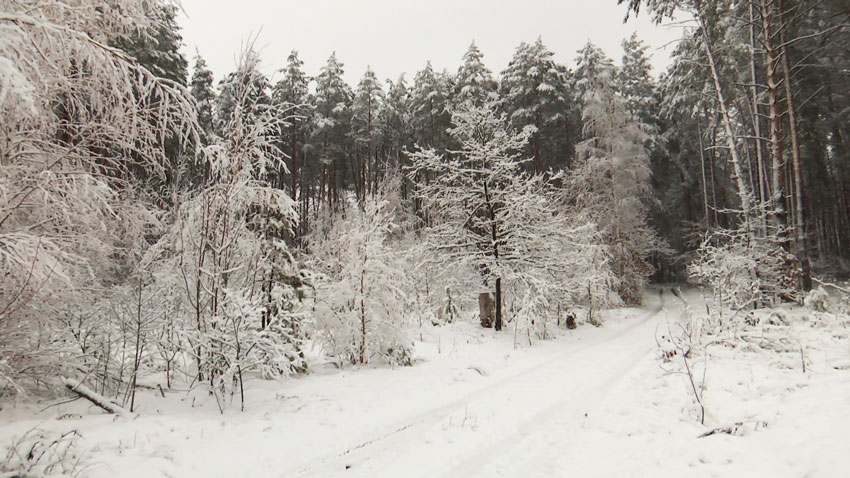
(591, 402)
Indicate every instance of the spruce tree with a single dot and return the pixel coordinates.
(611, 181)
(635, 82)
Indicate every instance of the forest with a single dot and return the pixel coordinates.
(152, 215)
(158, 222)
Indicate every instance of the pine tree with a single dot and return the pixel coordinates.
(590, 63)
(474, 82)
(330, 128)
(757, 229)
(293, 90)
(369, 98)
(428, 104)
(534, 93)
(635, 82)
(157, 48)
(201, 87)
(397, 123)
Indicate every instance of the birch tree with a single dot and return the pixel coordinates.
(225, 251)
(486, 214)
(360, 300)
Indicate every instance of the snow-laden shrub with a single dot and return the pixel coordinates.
(79, 120)
(436, 294)
(449, 311)
(42, 453)
(745, 271)
(240, 290)
(532, 314)
(817, 299)
(360, 304)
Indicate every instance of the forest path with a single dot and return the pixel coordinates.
(512, 425)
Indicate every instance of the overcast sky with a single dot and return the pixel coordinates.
(395, 36)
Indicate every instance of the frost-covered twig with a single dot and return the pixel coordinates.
(38, 453)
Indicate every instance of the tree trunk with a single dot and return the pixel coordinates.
(92, 396)
(363, 316)
(840, 150)
(704, 183)
(535, 145)
(498, 325)
(796, 162)
(763, 193)
(731, 137)
(774, 121)
(293, 142)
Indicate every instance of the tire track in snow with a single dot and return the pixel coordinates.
(550, 429)
(391, 443)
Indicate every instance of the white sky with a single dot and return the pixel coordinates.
(395, 36)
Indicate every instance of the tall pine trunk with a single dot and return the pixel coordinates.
(774, 120)
(731, 138)
(800, 225)
(760, 163)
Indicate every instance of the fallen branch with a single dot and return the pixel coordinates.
(92, 396)
(734, 428)
(729, 430)
(820, 282)
(480, 371)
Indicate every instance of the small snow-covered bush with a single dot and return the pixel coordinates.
(41, 453)
(360, 311)
(436, 294)
(745, 271)
(817, 299)
(449, 311)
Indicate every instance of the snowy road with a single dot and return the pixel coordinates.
(510, 426)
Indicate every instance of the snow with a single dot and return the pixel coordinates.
(591, 402)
